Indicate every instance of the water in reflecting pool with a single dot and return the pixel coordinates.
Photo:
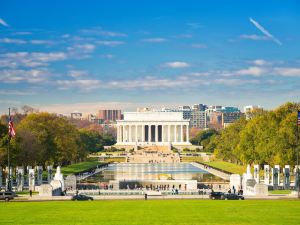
(159, 171)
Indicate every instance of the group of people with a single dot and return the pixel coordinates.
(240, 191)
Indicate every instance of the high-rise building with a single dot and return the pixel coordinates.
(76, 115)
(215, 120)
(198, 119)
(230, 117)
(249, 110)
(109, 115)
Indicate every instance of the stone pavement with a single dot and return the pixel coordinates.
(213, 171)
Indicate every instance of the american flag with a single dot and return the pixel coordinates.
(298, 118)
(11, 129)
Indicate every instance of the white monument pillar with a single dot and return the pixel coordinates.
(169, 133)
(286, 173)
(20, 178)
(50, 174)
(130, 133)
(256, 173)
(143, 133)
(123, 133)
(181, 133)
(149, 133)
(276, 176)
(267, 174)
(136, 133)
(187, 133)
(175, 133)
(39, 170)
(118, 133)
(31, 179)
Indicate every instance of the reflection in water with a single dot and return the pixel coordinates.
(159, 171)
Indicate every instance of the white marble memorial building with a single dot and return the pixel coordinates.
(153, 128)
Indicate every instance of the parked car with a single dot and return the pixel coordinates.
(82, 197)
(232, 196)
(216, 195)
(225, 196)
(7, 195)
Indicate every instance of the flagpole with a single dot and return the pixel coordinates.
(297, 149)
(8, 158)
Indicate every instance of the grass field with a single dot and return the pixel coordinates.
(79, 167)
(173, 212)
(227, 166)
(284, 192)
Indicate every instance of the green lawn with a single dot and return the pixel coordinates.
(277, 192)
(191, 159)
(79, 167)
(166, 212)
(115, 159)
(227, 166)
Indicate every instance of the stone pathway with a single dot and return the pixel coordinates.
(213, 171)
(84, 176)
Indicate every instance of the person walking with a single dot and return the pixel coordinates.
(30, 193)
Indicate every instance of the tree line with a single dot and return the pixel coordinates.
(46, 139)
(269, 137)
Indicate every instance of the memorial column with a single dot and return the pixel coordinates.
(143, 133)
(136, 133)
(149, 133)
(175, 133)
(130, 140)
(187, 133)
(181, 133)
(169, 133)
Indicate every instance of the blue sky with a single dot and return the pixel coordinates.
(82, 55)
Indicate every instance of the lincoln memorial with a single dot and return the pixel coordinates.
(152, 128)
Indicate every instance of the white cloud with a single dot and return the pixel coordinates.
(252, 71)
(78, 73)
(12, 41)
(83, 85)
(194, 25)
(108, 56)
(260, 62)
(41, 42)
(16, 92)
(3, 23)
(31, 76)
(82, 48)
(287, 71)
(88, 107)
(110, 43)
(235, 82)
(176, 65)
(264, 31)
(101, 32)
(20, 41)
(199, 45)
(27, 59)
(155, 40)
(254, 37)
(22, 33)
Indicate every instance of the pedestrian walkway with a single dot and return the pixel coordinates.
(213, 171)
